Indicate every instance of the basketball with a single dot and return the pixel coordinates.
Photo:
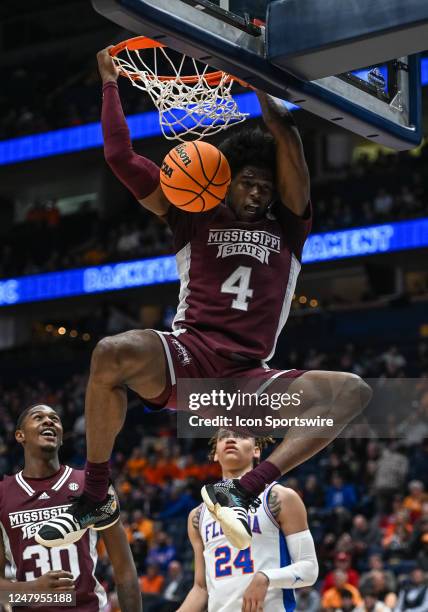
(195, 176)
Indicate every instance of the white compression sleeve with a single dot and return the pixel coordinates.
(303, 570)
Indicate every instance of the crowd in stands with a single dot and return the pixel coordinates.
(391, 188)
(367, 498)
(40, 99)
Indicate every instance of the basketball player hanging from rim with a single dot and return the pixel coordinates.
(230, 313)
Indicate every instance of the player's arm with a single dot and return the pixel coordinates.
(125, 574)
(293, 183)
(51, 581)
(197, 598)
(290, 513)
(138, 174)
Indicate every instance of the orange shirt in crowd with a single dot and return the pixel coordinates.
(154, 475)
(414, 506)
(333, 599)
(135, 467)
(145, 527)
(392, 529)
(152, 585)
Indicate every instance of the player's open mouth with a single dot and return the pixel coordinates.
(253, 209)
(48, 433)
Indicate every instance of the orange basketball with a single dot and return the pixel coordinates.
(195, 176)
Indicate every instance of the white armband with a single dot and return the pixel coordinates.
(303, 570)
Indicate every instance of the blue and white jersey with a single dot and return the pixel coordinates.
(229, 571)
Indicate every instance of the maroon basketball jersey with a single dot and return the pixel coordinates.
(237, 277)
(25, 503)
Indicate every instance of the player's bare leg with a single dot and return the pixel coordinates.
(134, 359)
(336, 395)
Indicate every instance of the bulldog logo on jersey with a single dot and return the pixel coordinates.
(255, 243)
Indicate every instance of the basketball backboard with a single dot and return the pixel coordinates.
(381, 103)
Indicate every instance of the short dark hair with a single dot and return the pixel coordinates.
(21, 418)
(249, 147)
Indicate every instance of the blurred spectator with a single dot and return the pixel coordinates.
(414, 596)
(162, 551)
(340, 494)
(307, 600)
(376, 565)
(397, 535)
(383, 203)
(364, 535)
(313, 495)
(333, 597)
(342, 561)
(413, 502)
(391, 473)
(422, 558)
(136, 463)
(372, 604)
(377, 584)
(129, 240)
(181, 502)
(393, 360)
(142, 526)
(175, 589)
(152, 582)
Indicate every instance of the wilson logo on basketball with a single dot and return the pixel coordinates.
(181, 152)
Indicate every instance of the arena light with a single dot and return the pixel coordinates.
(82, 137)
(328, 246)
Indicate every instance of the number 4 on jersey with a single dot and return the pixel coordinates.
(238, 283)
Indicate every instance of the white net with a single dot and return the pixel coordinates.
(190, 107)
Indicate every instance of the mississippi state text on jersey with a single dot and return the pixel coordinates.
(237, 278)
(229, 571)
(25, 503)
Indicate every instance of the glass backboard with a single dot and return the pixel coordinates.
(381, 103)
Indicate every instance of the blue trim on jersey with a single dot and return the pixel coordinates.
(287, 594)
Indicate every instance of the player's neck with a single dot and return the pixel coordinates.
(41, 467)
(238, 473)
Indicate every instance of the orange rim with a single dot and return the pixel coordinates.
(139, 43)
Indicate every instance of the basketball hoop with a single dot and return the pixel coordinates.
(190, 106)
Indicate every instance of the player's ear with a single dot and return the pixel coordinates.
(257, 452)
(19, 436)
(215, 458)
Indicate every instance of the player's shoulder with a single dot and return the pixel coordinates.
(74, 475)
(281, 497)
(195, 516)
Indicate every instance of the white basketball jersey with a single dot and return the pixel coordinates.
(229, 571)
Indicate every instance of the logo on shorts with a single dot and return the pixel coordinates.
(182, 353)
(255, 243)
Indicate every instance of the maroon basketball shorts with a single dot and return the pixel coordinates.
(189, 357)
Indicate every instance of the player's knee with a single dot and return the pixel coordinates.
(117, 358)
(107, 363)
(353, 395)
